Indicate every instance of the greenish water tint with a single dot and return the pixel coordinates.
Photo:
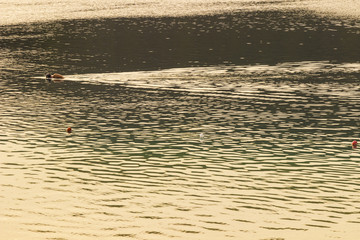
(244, 132)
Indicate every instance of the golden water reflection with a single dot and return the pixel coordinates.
(135, 167)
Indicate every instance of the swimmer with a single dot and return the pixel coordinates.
(55, 75)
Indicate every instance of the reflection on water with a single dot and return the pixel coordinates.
(234, 126)
(274, 162)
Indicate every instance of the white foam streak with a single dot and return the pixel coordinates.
(224, 80)
(305, 67)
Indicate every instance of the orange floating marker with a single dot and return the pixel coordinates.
(69, 130)
(354, 144)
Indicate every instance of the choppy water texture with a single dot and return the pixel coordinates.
(233, 125)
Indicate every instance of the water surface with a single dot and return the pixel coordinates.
(229, 125)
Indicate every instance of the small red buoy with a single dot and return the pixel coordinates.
(69, 130)
(354, 144)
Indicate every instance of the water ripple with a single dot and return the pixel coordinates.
(220, 152)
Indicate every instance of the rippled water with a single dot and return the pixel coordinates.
(275, 161)
(222, 126)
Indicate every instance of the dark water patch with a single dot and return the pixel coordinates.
(131, 44)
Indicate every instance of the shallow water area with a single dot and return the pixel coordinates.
(233, 125)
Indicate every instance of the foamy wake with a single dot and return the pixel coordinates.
(221, 79)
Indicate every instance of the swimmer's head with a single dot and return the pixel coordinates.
(48, 75)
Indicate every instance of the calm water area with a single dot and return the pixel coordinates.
(191, 120)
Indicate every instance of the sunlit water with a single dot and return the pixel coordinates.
(233, 125)
(25, 11)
